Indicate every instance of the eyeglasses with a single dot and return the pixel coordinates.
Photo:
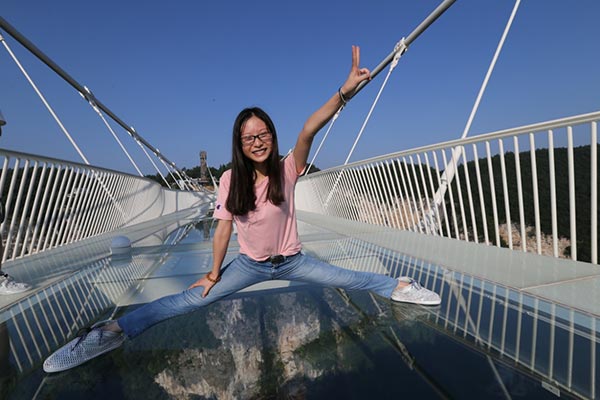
(265, 137)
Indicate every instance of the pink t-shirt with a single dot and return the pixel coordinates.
(268, 230)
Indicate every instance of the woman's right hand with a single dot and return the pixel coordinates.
(357, 74)
(206, 283)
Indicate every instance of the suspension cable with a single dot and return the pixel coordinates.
(399, 49)
(41, 96)
(151, 160)
(335, 117)
(175, 178)
(214, 181)
(183, 179)
(60, 124)
(426, 23)
(58, 70)
(490, 69)
(449, 170)
(95, 108)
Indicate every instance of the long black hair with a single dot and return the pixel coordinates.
(241, 197)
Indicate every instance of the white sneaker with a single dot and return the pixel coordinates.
(9, 286)
(90, 344)
(415, 293)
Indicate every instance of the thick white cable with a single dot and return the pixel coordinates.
(449, 171)
(151, 160)
(58, 121)
(169, 172)
(400, 50)
(95, 108)
(185, 178)
(214, 181)
(182, 179)
(490, 69)
(177, 179)
(287, 154)
(60, 124)
(335, 117)
(41, 96)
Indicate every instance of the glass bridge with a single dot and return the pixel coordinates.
(496, 334)
(503, 225)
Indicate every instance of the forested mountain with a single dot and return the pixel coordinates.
(581, 157)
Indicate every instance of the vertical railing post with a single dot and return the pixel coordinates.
(572, 204)
(394, 190)
(594, 191)
(553, 209)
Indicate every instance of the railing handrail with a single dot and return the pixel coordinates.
(520, 130)
(497, 197)
(85, 92)
(53, 160)
(52, 202)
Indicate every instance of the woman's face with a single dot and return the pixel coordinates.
(257, 140)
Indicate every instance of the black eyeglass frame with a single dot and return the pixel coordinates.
(248, 140)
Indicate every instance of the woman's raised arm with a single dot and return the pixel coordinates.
(319, 118)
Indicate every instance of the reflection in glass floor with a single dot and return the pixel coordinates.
(314, 343)
(485, 341)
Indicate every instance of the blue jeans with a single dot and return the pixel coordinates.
(243, 272)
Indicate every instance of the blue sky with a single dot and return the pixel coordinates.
(180, 71)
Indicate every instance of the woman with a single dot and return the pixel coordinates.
(258, 194)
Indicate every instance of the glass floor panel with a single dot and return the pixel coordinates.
(484, 341)
(310, 343)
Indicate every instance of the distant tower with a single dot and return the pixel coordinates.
(203, 168)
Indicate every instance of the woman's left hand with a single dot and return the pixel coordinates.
(206, 283)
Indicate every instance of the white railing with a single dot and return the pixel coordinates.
(536, 334)
(532, 188)
(49, 202)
